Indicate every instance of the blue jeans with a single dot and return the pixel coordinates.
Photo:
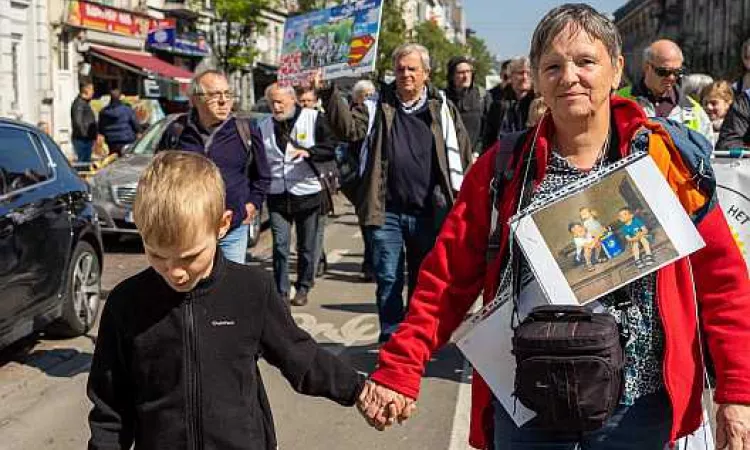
(83, 148)
(642, 426)
(306, 223)
(403, 239)
(320, 242)
(234, 244)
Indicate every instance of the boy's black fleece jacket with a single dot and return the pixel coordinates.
(179, 370)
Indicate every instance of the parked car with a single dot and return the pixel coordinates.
(50, 242)
(114, 186)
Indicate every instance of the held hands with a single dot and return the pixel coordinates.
(733, 427)
(382, 407)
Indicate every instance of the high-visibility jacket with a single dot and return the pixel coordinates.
(688, 111)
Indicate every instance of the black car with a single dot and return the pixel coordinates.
(50, 242)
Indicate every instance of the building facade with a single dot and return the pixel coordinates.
(710, 32)
(25, 81)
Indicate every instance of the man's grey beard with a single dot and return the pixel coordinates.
(286, 115)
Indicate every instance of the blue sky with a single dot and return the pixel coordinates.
(507, 25)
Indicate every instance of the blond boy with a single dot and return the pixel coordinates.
(175, 364)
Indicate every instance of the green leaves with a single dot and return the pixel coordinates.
(234, 27)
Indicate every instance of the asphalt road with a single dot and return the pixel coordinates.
(42, 381)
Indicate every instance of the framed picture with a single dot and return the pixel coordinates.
(605, 232)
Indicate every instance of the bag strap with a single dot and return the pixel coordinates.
(243, 128)
(502, 175)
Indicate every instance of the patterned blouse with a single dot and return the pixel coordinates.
(640, 322)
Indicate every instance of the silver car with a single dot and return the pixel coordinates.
(113, 187)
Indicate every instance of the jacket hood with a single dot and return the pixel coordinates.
(452, 64)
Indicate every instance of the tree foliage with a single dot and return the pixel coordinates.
(234, 27)
(392, 34)
(483, 60)
(441, 50)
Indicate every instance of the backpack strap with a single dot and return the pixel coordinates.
(246, 136)
(170, 140)
(243, 128)
(502, 175)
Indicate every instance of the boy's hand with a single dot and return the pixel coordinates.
(382, 407)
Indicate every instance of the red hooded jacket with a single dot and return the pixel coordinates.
(455, 272)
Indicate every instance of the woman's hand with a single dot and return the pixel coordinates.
(382, 407)
(733, 427)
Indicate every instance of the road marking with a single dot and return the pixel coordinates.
(462, 415)
(362, 328)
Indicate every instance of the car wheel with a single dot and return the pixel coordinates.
(253, 232)
(82, 295)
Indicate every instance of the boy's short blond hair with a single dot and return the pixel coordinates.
(179, 196)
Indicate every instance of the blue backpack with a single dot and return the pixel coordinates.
(696, 151)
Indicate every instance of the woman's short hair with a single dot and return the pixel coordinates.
(408, 49)
(718, 89)
(693, 84)
(180, 195)
(580, 17)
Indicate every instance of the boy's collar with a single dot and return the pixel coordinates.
(217, 272)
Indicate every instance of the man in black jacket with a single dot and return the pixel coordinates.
(83, 122)
(735, 131)
(468, 98)
(175, 365)
(209, 128)
(509, 112)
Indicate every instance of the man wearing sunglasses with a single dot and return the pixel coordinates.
(233, 145)
(659, 92)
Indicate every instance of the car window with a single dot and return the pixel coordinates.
(148, 143)
(21, 164)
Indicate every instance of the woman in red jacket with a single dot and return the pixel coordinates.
(577, 63)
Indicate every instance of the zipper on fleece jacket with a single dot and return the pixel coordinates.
(192, 377)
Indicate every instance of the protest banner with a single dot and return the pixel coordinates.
(733, 189)
(341, 41)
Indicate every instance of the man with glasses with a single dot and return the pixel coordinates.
(510, 112)
(467, 97)
(659, 92)
(233, 145)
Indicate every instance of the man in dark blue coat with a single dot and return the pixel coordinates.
(118, 124)
(233, 145)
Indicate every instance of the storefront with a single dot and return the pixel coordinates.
(111, 42)
(176, 42)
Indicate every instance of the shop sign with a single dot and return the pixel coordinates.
(162, 35)
(102, 18)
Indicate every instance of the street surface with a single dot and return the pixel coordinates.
(42, 382)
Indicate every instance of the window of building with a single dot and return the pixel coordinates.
(15, 64)
(63, 57)
(21, 165)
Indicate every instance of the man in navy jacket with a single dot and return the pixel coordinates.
(210, 128)
(118, 124)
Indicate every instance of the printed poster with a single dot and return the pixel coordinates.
(342, 41)
(617, 227)
(733, 190)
